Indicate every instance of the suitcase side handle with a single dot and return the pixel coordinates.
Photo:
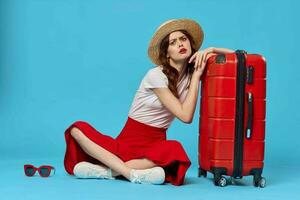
(250, 116)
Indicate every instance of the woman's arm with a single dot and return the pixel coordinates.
(204, 55)
(185, 111)
(221, 50)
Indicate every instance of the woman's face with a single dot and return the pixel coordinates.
(179, 49)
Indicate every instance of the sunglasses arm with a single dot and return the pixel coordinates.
(53, 170)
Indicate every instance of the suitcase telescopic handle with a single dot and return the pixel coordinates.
(250, 116)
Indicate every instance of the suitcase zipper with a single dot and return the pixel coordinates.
(250, 116)
(239, 115)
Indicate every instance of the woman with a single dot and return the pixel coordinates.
(141, 152)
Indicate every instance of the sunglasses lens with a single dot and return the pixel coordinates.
(44, 171)
(29, 171)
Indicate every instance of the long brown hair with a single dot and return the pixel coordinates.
(172, 73)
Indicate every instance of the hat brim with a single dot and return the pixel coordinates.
(191, 26)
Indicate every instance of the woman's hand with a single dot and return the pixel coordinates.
(200, 58)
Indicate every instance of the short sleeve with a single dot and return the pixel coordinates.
(155, 78)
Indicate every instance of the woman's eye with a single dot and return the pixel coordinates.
(183, 39)
(172, 42)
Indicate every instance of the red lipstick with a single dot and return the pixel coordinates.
(182, 50)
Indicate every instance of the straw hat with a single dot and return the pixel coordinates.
(191, 26)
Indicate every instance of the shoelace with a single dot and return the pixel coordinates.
(139, 178)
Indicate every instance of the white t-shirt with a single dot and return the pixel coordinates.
(146, 106)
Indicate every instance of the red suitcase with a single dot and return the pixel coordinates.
(232, 117)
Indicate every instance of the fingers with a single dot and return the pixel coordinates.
(208, 55)
(203, 61)
(196, 64)
(205, 57)
(193, 57)
(198, 60)
(201, 58)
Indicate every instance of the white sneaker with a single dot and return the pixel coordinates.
(89, 170)
(155, 175)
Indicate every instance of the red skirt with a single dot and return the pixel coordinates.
(136, 141)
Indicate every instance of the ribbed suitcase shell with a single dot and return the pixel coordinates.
(218, 113)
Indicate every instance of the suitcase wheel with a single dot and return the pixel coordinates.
(202, 172)
(220, 181)
(259, 182)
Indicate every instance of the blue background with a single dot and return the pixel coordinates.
(68, 60)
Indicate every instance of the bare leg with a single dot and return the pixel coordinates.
(137, 164)
(91, 150)
(140, 164)
(101, 154)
